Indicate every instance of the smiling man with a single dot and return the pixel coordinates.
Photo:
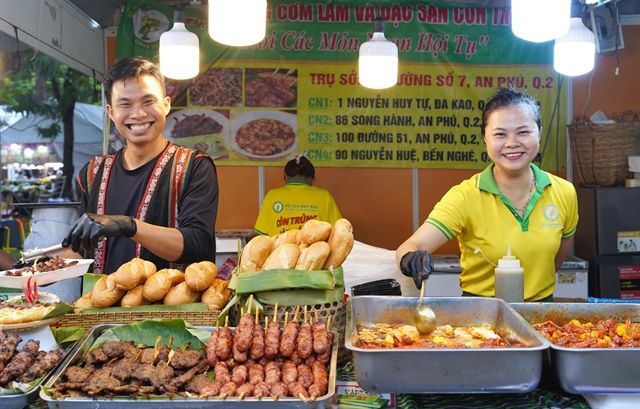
(152, 199)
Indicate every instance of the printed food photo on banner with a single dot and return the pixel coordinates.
(274, 87)
(264, 134)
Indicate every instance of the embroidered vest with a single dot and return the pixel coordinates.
(160, 200)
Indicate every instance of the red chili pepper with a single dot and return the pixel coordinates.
(34, 293)
(27, 290)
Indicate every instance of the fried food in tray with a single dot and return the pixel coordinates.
(385, 335)
(265, 137)
(25, 365)
(233, 365)
(608, 333)
(195, 124)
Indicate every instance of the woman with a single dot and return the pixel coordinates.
(289, 206)
(511, 203)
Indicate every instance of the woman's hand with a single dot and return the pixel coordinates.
(416, 264)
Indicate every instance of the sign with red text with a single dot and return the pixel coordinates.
(298, 91)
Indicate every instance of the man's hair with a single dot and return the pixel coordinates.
(130, 67)
(505, 97)
(300, 166)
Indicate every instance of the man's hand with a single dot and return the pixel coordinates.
(89, 228)
(416, 264)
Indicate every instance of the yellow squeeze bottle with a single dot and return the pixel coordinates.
(509, 278)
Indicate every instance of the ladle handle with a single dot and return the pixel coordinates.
(422, 289)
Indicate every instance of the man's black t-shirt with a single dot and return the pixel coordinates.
(197, 211)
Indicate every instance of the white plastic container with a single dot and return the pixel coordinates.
(509, 279)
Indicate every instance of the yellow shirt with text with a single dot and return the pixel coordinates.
(486, 222)
(288, 207)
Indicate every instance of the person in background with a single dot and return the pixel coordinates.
(511, 203)
(151, 199)
(289, 206)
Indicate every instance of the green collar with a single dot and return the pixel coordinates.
(487, 182)
(298, 181)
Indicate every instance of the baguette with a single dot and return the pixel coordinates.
(217, 296)
(181, 294)
(200, 276)
(134, 298)
(341, 242)
(314, 256)
(130, 275)
(284, 256)
(315, 230)
(290, 236)
(102, 296)
(157, 286)
(255, 253)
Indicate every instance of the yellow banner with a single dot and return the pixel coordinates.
(266, 113)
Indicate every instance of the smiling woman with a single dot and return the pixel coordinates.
(507, 205)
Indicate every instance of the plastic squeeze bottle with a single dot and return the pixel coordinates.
(509, 276)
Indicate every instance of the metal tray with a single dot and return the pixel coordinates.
(20, 400)
(159, 403)
(445, 370)
(589, 370)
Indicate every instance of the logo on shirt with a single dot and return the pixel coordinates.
(551, 212)
(277, 207)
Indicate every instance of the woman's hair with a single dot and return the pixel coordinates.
(300, 166)
(505, 97)
(130, 67)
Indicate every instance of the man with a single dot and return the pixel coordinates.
(151, 199)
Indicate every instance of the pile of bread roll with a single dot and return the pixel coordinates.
(137, 283)
(317, 245)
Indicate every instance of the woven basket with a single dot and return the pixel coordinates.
(87, 320)
(600, 151)
(336, 310)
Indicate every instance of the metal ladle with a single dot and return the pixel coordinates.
(424, 317)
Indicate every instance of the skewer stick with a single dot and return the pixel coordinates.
(275, 312)
(171, 355)
(302, 398)
(286, 317)
(316, 316)
(226, 321)
(295, 314)
(305, 314)
(250, 303)
(241, 397)
(156, 352)
(266, 322)
(257, 317)
(328, 323)
(170, 341)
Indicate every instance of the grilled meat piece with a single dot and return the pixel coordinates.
(181, 380)
(223, 346)
(96, 356)
(296, 390)
(256, 374)
(257, 347)
(143, 373)
(228, 389)
(198, 383)
(123, 369)
(289, 372)
(272, 373)
(221, 372)
(279, 390)
(100, 380)
(162, 375)
(305, 341)
(116, 349)
(305, 375)
(77, 374)
(244, 390)
(239, 375)
(243, 335)
(212, 358)
(320, 337)
(325, 357)
(20, 362)
(260, 389)
(149, 356)
(44, 363)
(8, 347)
(272, 340)
(185, 359)
(288, 340)
(238, 355)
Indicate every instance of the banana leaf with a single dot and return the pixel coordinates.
(88, 281)
(194, 307)
(280, 279)
(67, 335)
(146, 332)
(60, 309)
(300, 296)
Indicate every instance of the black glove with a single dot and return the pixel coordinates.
(89, 228)
(416, 264)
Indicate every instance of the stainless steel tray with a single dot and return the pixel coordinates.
(589, 370)
(447, 370)
(158, 403)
